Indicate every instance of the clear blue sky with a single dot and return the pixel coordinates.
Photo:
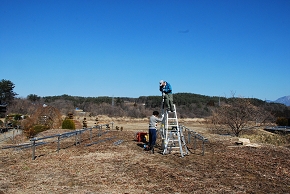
(123, 48)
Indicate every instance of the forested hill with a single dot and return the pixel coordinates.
(150, 101)
(188, 104)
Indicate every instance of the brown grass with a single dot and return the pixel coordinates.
(126, 168)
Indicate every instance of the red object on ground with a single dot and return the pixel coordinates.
(140, 136)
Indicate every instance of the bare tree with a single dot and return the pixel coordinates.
(64, 106)
(239, 114)
(21, 106)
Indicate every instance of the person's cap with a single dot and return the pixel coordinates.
(161, 82)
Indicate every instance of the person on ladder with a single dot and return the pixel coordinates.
(166, 90)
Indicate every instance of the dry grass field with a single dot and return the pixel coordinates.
(105, 167)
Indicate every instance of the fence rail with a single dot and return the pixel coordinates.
(196, 136)
(37, 141)
(285, 129)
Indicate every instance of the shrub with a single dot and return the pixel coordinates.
(35, 130)
(17, 117)
(282, 121)
(68, 124)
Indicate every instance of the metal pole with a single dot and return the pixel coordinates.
(202, 147)
(33, 149)
(91, 134)
(76, 138)
(189, 136)
(195, 142)
(58, 146)
(80, 137)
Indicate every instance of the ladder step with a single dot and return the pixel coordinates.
(174, 141)
(173, 147)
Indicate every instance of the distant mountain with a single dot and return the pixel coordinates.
(284, 100)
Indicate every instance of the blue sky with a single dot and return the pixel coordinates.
(123, 48)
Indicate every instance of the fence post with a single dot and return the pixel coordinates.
(33, 149)
(203, 147)
(99, 130)
(76, 137)
(58, 146)
(189, 136)
(194, 142)
(91, 134)
(80, 136)
(13, 134)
